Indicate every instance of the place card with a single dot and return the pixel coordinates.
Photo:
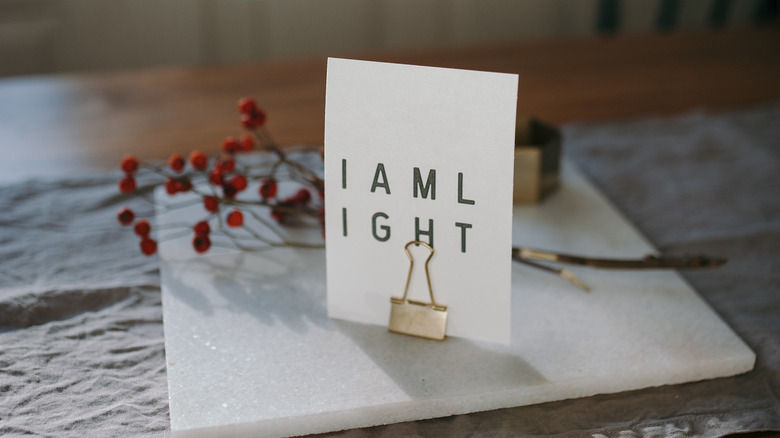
(420, 153)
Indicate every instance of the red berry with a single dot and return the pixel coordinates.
(211, 204)
(125, 216)
(229, 190)
(198, 160)
(247, 121)
(201, 228)
(215, 177)
(247, 143)
(321, 216)
(277, 215)
(129, 164)
(268, 188)
(230, 145)
(127, 184)
(226, 163)
(176, 163)
(172, 186)
(253, 120)
(260, 117)
(247, 105)
(235, 218)
(148, 246)
(239, 182)
(302, 196)
(201, 243)
(142, 228)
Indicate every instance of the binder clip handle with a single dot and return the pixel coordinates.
(427, 274)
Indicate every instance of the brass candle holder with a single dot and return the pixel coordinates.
(537, 160)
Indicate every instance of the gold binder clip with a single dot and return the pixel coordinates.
(409, 317)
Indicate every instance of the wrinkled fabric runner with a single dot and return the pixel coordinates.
(81, 339)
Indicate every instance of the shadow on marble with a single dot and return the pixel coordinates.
(423, 368)
(281, 285)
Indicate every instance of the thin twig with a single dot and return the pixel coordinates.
(647, 262)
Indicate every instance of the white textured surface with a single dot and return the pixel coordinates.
(250, 349)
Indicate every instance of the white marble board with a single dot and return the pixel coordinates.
(250, 350)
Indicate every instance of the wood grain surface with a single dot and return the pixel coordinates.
(52, 125)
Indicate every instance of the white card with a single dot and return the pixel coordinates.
(410, 150)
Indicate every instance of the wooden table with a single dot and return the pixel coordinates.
(51, 125)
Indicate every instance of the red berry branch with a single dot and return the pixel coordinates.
(217, 181)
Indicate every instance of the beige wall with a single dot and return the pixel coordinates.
(42, 36)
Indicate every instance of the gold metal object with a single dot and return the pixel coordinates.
(537, 160)
(561, 272)
(416, 318)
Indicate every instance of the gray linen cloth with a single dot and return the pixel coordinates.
(81, 339)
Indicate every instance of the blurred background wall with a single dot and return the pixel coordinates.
(47, 36)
